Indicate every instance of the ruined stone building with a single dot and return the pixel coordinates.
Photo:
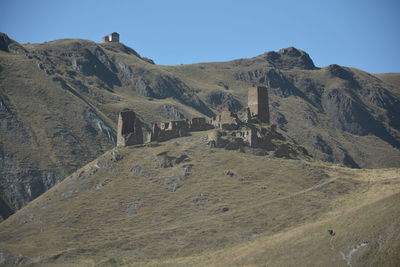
(198, 124)
(168, 130)
(257, 101)
(129, 130)
(226, 120)
(257, 111)
(178, 128)
(113, 37)
(242, 127)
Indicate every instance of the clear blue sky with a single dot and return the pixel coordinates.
(362, 34)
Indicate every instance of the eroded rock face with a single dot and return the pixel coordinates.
(289, 151)
(171, 112)
(346, 112)
(274, 79)
(96, 126)
(289, 58)
(9, 45)
(19, 186)
(340, 72)
(120, 47)
(94, 62)
(160, 86)
(351, 115)
(219, 99)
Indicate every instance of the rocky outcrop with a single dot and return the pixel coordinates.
(160, 86)
(349, 113)
(9, 45)
(20, 186)
(171, 112)
(289, 58)
(96, 63)
(276, 81)
(120, 47)
(91, 60)
(290, 151)
(98, 127)
(220, 99)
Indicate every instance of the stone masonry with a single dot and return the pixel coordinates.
(257, 100)
(129, 131)
(178, 128)
(113, 37)
(226, 120)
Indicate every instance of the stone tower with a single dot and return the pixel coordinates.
(129, 131)
(257, 101)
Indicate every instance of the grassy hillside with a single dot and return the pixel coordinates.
(392, 79)
(59, 102)
(129, 208)
(55, 120)
(326, 110)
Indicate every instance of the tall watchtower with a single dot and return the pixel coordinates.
(257, 101)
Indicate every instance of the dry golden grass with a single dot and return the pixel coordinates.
(391, 78)
(271, 212)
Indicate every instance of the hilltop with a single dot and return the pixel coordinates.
(59, 102)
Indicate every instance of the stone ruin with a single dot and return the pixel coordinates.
(178, 128)
(167, 130)
(226, 120)
(198, 124)
(111, 38)
(257, 111)
(129, 129)
(257, 101)
(249, 130)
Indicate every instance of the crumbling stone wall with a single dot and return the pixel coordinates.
(129, 130)
(168, 130)
(226, 120)
(177, 128)
(198, 124)
(256, 140)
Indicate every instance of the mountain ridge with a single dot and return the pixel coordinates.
(339, 114)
